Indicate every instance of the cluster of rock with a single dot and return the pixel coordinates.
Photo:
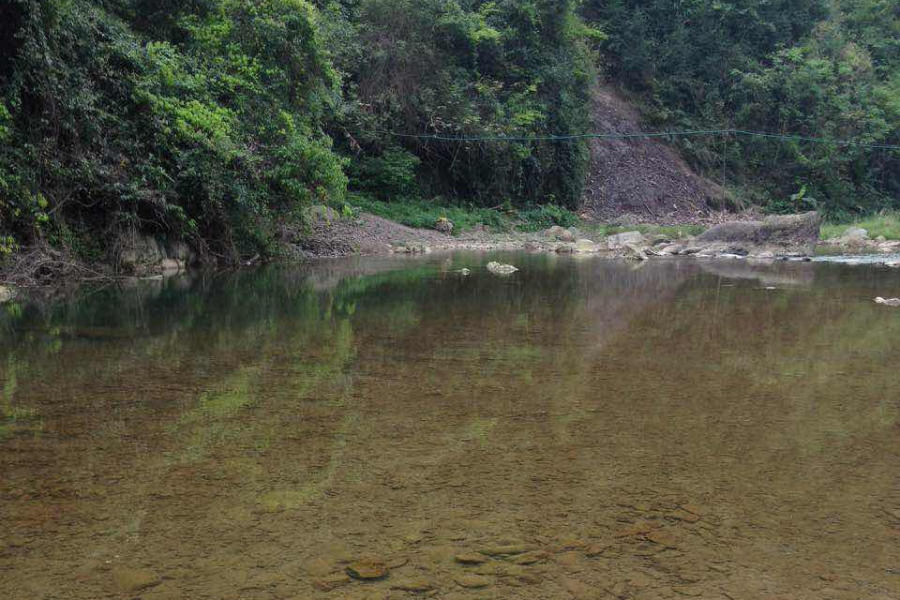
(778, 236)
(888, 302)
(857, 239)
(629, 244)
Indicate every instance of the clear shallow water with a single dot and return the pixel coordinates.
(666, 430)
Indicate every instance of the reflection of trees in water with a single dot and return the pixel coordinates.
(266, 390)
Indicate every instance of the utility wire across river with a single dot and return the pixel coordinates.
(626, 136)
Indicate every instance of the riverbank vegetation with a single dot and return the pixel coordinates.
(216, 121)
(885, 224)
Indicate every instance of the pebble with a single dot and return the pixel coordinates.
(691, 592)
(134, 580)
(529, 558)
(639, 528)
(530, 578)
(326, 584)
(577, 589)
(693, 509)
(470, 558)
(472, 581)
(596, 550)
(368, 569)
(413, 584)
(683, 515)
(662, 537)
(318, 567)
(506, 550)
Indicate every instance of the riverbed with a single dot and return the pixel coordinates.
(391, 428)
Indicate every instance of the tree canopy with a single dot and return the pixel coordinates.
(217, 120)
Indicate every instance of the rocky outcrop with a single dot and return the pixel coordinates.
(141, 254)
(622, 241)
(794, 232)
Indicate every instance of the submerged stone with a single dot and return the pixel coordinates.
(472, 581)
(134, 580)
(501, 269)
(470, 558)
(368, 569)
(413, 584)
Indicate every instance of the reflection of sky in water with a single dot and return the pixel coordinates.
(242, 435)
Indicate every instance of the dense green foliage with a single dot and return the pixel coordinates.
(214, 119)
(822, 68)
(218, 120)
(204, 124)
(466, 68)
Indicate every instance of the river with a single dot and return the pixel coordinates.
(584, 428)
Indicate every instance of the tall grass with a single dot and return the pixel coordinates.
(886, 224)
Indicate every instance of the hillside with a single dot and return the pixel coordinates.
(640, 180)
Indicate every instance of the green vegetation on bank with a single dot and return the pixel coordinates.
(820, 68)
(216, 121)
(425, 213)
(885, 224)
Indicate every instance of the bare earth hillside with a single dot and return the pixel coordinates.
(640, 180)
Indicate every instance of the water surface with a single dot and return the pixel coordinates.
(589, 428)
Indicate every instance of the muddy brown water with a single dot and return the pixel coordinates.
(580, 429)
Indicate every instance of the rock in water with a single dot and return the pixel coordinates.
(888, 302)
(470, 558)
(415, 585)
(130, 581)
(472, 581)
(790, 231)
(633, 252)
(368, 569)
(499, 269)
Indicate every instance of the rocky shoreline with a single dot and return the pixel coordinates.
(328, 236)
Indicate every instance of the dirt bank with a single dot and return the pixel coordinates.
(641, 180)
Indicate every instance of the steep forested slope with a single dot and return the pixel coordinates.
(820, 68)
(215, 120)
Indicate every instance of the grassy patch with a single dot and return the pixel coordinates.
(672, 231)
(886, 224)
(423, 214)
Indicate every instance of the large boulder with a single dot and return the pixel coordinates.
(854, 236)
(140, 253)
(563, 235)
(783, 232)
(620, 241)
(501, 269)
(586, 246)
